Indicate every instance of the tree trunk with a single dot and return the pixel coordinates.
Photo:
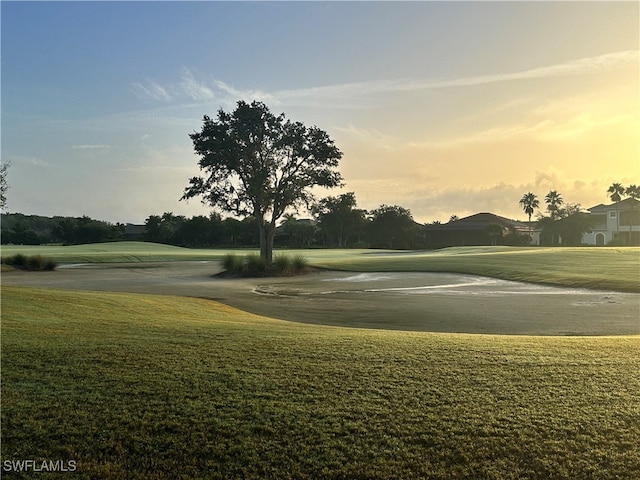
(266, 232)
(263, 238)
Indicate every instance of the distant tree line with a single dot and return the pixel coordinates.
(334, 222)
(201, 231)
(22, 229)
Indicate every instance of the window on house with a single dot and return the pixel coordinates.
(613, 214)
(629, 218)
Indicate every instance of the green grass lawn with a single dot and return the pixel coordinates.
(585, 267)
(113, 252)
(609, 268)
(160, 387)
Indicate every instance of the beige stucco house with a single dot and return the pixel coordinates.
(619, 222)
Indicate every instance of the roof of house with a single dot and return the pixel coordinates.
(478, 222)
(621, 205)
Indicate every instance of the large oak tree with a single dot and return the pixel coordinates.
(339, 219)
(258, 164)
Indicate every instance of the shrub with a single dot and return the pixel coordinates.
(18, 260)
(255, 264)
(282, 264)
(300, 263)
(34, 262)
(50, 265)
(618, 242)
(233, 263)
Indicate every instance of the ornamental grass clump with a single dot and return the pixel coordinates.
(35, 262)
(300, 263)
(255, 266)
(32, 263)
(18, 260)
(233, 263)
(282, 264)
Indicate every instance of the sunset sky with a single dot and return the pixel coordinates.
(441, 107)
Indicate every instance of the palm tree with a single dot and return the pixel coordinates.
(529, 203)
(553, 201)
(615, 191)
(288, 218)
(632, 191)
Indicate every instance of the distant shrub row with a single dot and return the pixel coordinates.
(32, 262)
(254, 266)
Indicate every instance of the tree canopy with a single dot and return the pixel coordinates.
(339, 220)
(258, 164)
(553, 200)
(529, 202)
(392, 226)
(615, 191)
(4, 185)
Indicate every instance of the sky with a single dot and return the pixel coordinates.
(444, 108)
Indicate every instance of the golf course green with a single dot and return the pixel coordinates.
(132, 385)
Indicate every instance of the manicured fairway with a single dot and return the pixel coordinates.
(133, 252)
(582, 267)
(111, 252)
(161, 387)
(605, 268)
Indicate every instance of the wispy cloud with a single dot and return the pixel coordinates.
(204, 90)
(369, 135)
(584, 124)
(194, 89)
(246, 93)
(548, 129)
(583, 66)
(499, 133)
(89, 147)
(600, 63)
(31, 161)
(155, 168)
(150, 91)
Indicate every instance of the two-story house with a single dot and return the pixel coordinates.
(619, 222)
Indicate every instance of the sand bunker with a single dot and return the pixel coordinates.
(436, 302)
